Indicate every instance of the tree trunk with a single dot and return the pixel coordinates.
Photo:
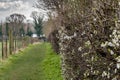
(10, 42)
(15, 43)
(6, 44)
(3, 56)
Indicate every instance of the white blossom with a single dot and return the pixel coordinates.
(118, 64)
(104, 74)
(87, 43)
(111, 52)
(80, 49)
(70, 37)
(111, 44)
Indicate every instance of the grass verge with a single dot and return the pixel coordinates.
(51, 65)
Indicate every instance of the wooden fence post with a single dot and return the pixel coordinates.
(3, 56)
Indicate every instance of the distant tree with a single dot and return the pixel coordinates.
(29, 32)
(16, 21)
(38, 22)
(22, 31)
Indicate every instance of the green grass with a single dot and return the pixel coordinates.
(37, 62)
(51, 65)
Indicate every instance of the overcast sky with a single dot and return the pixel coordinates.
(24, 7)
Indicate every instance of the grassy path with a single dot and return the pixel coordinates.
(27, 65)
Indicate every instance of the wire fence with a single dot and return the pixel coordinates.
(11, 43)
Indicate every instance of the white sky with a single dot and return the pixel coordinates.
(24, 7)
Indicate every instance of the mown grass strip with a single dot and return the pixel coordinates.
(37, 62)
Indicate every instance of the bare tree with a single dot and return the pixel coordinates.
(16, 21)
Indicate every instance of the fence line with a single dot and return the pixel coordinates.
(11, 43)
